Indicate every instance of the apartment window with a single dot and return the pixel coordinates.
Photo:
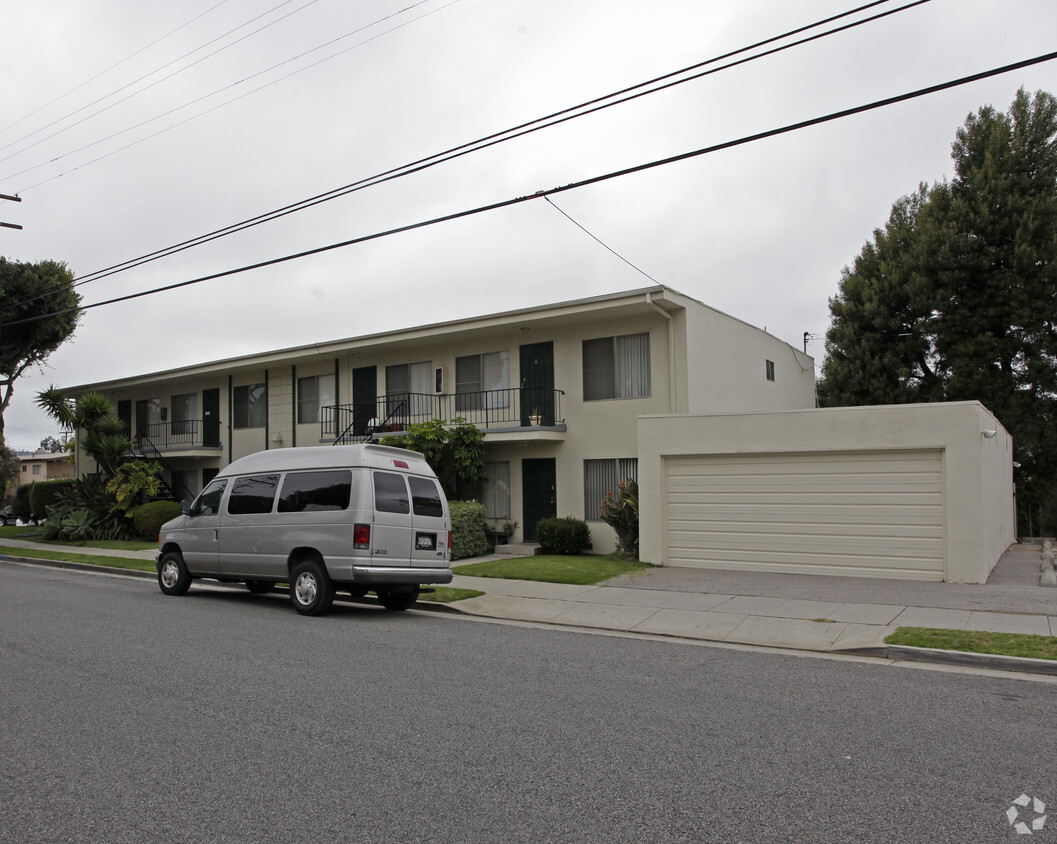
(770, 370)
(617, 367)
(36, 469)
(250, 406)
(495, 492)
(602, 476)
(253, 495)
(313, 394)
(482, 381)
(410, 383)
(184, 413)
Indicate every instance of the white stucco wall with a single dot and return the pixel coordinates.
(978, 471)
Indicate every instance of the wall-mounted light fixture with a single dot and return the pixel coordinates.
(988, 433)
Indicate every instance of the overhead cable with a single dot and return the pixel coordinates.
(759, 136)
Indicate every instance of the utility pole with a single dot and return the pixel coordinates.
(13, 199)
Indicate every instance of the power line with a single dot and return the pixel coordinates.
(553, 119)
(759, 136)
(225, 88)
(605, 245)
(151, 73)
(104, 72)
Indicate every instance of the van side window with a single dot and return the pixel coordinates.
(315, 491)
(208, 503)
(425, 497)
(253, 495)
(390, 493)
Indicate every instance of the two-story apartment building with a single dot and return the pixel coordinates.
(557, 390)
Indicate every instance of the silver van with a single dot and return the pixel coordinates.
(355, 517)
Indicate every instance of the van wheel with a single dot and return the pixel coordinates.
(312, 590)
(397, 600)
(173, 577)
(259, 587)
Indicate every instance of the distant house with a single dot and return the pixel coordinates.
(39, 466)
(557, 390)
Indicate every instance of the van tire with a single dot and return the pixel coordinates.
(259, 587)
(311, 589)
(395, 601)
(173, 577)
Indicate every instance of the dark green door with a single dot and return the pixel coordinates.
(364, 398)
(537, 383)
(211, 418)
(539, 493)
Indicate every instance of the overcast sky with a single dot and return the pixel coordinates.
(110, 169)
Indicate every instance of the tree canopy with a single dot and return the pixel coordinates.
(28, 291)
(956, 297)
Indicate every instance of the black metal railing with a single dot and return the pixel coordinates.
(143, 448)
(182, 434)
(514, 407)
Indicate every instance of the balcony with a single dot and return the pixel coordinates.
(182, 435)
(493, 411)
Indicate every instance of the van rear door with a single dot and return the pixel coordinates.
(391, 536)
(429, 542)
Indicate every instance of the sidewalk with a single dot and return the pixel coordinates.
(803, 612)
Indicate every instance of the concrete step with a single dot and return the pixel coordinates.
(518, 550)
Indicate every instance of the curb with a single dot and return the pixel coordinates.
(973, 660)
(88, 567)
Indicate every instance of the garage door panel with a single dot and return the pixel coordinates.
(838, 509)
(867, 513)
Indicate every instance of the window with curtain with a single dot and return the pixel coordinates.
(313, 394)
(250, 406)
(602, 476)
(410, 382)
(617, 367)
(482, 381)
(184, 413)
(495, 492)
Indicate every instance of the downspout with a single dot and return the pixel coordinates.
(671, 350)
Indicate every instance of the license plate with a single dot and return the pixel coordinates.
(426, 541)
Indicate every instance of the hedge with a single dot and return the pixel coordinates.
(149, 518)
(564, 535)
(43, 495)
(467, 529)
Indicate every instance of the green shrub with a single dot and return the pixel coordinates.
(467, 529)
(564, 535)
(23, 509)
(44, 494)
(621, 512)
(85, 510)
(149, 518)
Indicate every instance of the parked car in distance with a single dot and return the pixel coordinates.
(359, 518)
(7, 516)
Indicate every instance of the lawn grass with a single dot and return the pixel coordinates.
(28, 533)
(554, 568)
(448, 595)
(90, 559)
(976, 641)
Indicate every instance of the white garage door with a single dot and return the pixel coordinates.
(870, 514)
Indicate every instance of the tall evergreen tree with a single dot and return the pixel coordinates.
(956, 298)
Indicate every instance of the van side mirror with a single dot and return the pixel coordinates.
(185, 507)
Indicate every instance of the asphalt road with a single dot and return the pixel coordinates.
(129, 716)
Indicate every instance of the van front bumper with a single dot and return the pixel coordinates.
(401, 574)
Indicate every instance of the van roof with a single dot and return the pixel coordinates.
(328, 457)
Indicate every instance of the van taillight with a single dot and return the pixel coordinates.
(361, 536)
